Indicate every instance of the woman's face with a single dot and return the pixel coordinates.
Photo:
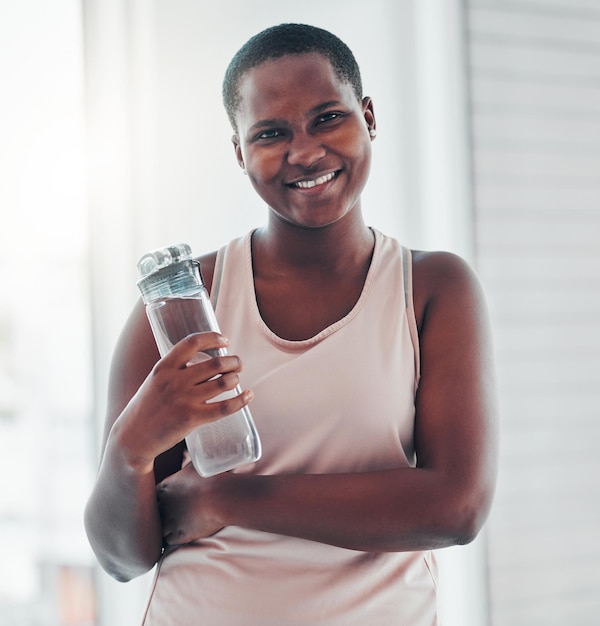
(303, 138)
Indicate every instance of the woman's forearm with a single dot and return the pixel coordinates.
(394, 510)
(121, 516)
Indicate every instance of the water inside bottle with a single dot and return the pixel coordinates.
(230, 441)
(175, 318)
(222, 445)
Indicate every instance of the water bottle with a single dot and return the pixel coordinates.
(178, 305)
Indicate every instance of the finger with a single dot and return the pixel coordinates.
(206, 405)
(197, 390)
(212, 368)
(212, 410)
(170, 379)
(207, 390)
(186, 350)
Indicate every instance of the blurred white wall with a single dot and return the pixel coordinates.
(535, 108)
(45, 333)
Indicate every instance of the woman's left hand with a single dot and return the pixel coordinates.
(184, 503)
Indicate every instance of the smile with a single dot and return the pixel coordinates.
(309, 184)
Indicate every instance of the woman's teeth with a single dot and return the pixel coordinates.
(307, 184)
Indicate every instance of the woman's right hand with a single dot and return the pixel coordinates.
(176, 396)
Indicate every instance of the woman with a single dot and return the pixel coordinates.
(371, 372)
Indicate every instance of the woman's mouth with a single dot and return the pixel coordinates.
(309, 184)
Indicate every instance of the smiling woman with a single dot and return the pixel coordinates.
(361, 478)
(303, 139)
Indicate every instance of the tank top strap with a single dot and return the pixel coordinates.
(217, 275)
(410, 309)
(406, 276)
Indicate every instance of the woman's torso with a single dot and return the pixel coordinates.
(341, 401)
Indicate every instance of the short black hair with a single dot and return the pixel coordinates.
(284, 40)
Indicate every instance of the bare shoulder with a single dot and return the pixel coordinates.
(440, 278)
(439, 270)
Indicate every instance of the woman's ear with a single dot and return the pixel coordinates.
(238, 152)
(369, 115)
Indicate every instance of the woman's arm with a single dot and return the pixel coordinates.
(152, 404)
(122, 499)
(441, 502)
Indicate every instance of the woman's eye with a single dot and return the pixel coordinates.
(269, 134)
(327, 117)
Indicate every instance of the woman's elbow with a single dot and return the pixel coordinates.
(469, 514)
(115, 555)
(123, 574)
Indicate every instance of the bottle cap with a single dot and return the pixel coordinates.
(163, 257)
(169, 272)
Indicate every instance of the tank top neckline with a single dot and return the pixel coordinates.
(301, 344)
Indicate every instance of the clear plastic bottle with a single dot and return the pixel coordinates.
(178, 305)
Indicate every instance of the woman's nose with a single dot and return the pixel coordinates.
(305, 150)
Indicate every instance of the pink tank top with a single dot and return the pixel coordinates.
(316, 412)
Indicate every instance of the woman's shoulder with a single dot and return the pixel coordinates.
(439, 276)
(439, 265)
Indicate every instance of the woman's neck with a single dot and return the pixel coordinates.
(326, 267)
(337, 247)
